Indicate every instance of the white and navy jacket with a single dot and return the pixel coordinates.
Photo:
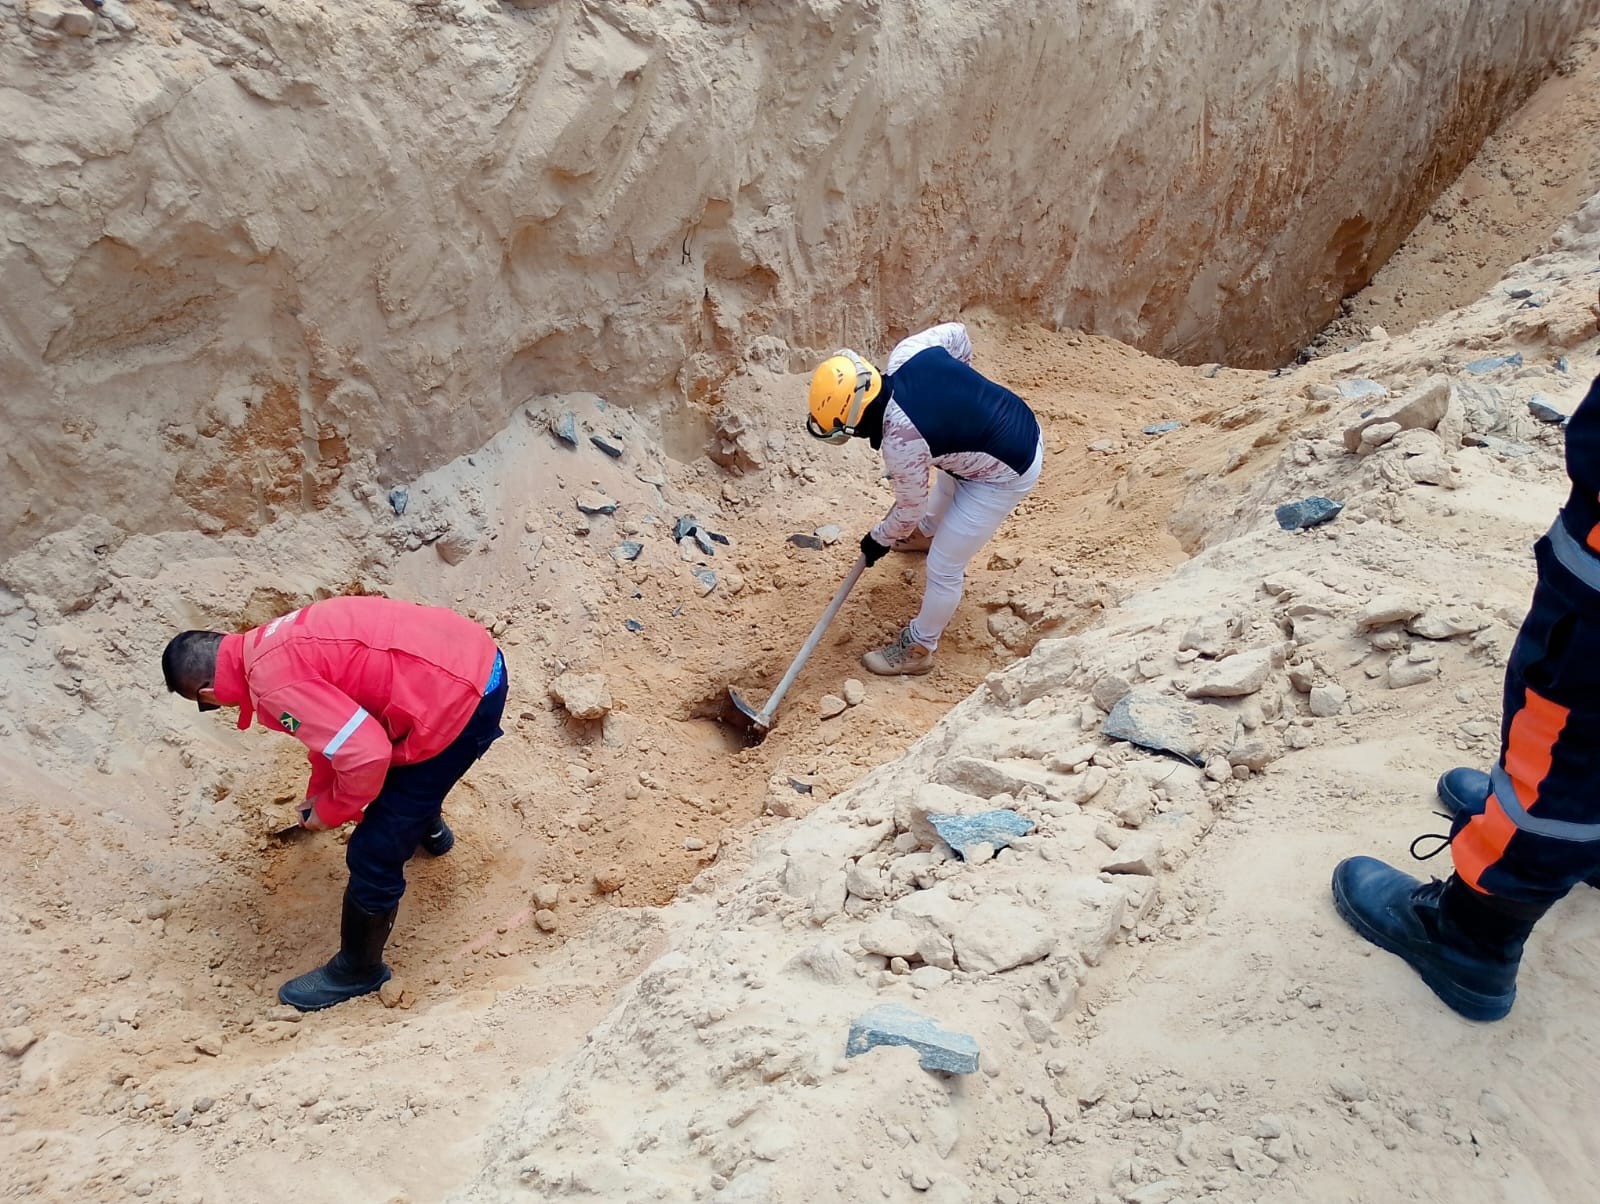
(944, 414)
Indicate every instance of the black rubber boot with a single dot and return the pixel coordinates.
(357, 969)
(1466, 946)
(439, 841)
(1463, 789)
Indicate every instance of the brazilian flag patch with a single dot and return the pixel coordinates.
(290, 723)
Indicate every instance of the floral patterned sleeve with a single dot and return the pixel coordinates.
(952, 336)
(910, 463)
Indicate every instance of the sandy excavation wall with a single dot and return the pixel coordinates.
(252, 250)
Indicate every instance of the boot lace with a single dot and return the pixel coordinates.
(1444, 839)
(896, 651)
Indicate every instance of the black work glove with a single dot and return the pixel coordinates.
(872, 550)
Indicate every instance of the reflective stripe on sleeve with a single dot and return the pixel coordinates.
(345, 732)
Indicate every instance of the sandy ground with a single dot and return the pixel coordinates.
(149, 916)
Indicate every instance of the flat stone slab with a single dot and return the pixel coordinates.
(1308, 512)
(564, 426)
(996, 828)
(892, 1024)
(1354, 388)
(1491, 363)
(1162, 723)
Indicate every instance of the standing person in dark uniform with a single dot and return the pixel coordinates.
(931, 413)
(1527, 831)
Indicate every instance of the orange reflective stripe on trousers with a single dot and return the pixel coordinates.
(1534, 732)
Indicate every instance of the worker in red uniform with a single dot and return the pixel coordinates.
(394, 702)
(1526, 832)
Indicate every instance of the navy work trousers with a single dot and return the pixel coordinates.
(408, 806)
(1538, 833)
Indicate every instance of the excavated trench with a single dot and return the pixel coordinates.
(241, 308)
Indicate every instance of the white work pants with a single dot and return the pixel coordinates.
(961, 516)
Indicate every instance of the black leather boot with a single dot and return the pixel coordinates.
(1467, 946)
(439, 841)
(358, 967)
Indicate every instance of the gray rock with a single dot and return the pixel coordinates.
(829, 534)
(1327, 700)
(1354, 388)
(1234, 676)
(633, 625)
(706, 581)
(937, 1048)
(1161, 428)
(612, 445)
(596, 503)
(1308, 512)
(627, 550)
(1541, 409)
(1210, 370)
(1158, 721)
(995, 828)
(1509, 448)
(809, 542)
(564, 426)
(1493, 363)
(399, 499)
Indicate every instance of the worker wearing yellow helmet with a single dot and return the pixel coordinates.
(931, 410)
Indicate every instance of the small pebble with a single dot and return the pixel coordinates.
(545, 919)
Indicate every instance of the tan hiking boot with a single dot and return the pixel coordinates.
(915, 542)
(903, 655)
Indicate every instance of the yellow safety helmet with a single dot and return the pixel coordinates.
(842, 387)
